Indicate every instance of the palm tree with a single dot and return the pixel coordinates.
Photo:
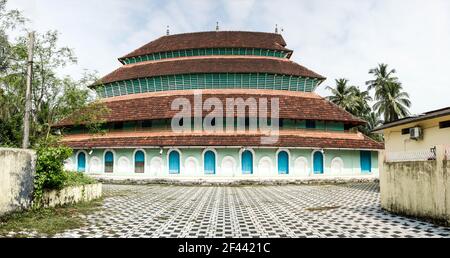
(361, 100)
(383, 76)
(373, 121)
(350, 98)
(342, 94)
(392, 103)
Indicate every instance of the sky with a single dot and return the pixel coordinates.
(337, 39)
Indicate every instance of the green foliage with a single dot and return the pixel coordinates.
(391, 101)
(50, 168)
(350, 98)
(54, 97)
(77, 179)
(50, 173)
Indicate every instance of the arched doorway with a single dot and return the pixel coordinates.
(109, 162)
(81, 162)
(283, 163)
(174, 162)
(139, 162)
(318, 163)
(247, 162)
(209, 163)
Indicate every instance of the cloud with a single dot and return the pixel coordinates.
(335, 38)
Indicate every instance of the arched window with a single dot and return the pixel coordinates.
(139, 162)
(174, 162)
(109, 162)
(209, 163)
(81, 161)
(283, 163)
(247, 163)
(318, 163)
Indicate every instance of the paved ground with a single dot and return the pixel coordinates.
(254, 211)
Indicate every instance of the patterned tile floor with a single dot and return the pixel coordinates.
(252, 211)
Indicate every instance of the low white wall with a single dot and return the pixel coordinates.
(71, 195)
(16, 179)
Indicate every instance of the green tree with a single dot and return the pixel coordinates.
(54, 97)
(373, 121)
(356, 102)
(392, 103)
(350, 98)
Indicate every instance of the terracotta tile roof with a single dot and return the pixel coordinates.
(212, 39)
(293, 105)
(208, 64)
(292, 138)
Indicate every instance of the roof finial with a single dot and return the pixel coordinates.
(168, 30)
(217, 26)
(276, 28)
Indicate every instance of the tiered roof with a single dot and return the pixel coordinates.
(215, 39)
(293, 105)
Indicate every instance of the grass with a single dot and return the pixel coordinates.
(48, 222)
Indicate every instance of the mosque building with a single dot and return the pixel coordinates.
(314, 138)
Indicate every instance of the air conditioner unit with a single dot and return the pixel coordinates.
(416, 133)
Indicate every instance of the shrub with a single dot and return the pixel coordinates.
(50, 173)
(50, 168)
(75, 179)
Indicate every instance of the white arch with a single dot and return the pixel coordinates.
(240, 160)
(181, 163)
(134, 160)
(203, 159)
(115, 162)
(69, 164)
(289, 160)
(87, 160)
(312, 162)
(157, 166)
(191, 166)
(337, 166)
(228, 167)
(95, 165)
(123, 165)
(265, 167)
(301, 167)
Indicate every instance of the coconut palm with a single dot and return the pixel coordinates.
(392, 102)
(350, 98)
(383, 76)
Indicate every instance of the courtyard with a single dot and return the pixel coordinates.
(290, 211)
(350, 210)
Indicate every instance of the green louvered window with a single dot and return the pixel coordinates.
(206, 52)
(208, 81)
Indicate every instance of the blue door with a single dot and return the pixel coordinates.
(81, 162)
(247, 163)
(210, 163)
(318, 163)
(139, 162)
(109, 162)
(174, 162)
(366, 162)
(283, 163)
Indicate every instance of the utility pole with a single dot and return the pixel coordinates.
(26, 119)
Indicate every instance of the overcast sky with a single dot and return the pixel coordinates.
(334, 38)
